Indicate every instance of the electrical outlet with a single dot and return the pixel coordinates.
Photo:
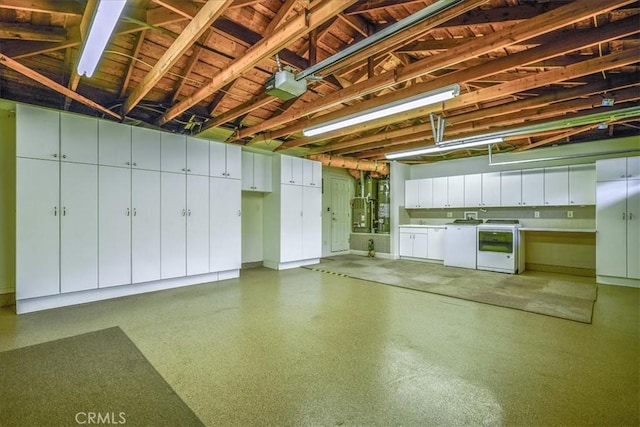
(536, 214)
(449, 214)
(569, 214)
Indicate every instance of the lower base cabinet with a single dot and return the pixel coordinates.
(423, 243)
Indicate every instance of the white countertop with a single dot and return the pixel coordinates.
(557, 229)
(421, 226)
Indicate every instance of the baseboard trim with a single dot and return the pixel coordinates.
(275, 265)
(575, 271)
(366, 253)
(618, 281)
(254, 264)
(7, 299)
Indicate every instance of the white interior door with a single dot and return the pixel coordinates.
(340, 214)
(145, 226)
(197, 224)
(226, 225)
(290, 223)
(311, 222)
(37, 228)
(173, 222)
(114, 226)
(78, 227)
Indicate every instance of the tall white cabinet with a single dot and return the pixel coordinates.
(618, 221)
(293, 214)
(106, 209)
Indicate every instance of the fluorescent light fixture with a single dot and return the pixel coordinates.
(392, 108)
(104, 20)
(444, 146)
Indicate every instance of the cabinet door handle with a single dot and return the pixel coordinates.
(127, 163)
(134, 212)
(188, 170)
(630, 216)
(188, 212)
(55, 211)
(64, 211)
(184, 212)
(128, 212)
(64, 156)
(55, 155)
(239, 213)
(184, 170)
(624, 216)
(135, 164)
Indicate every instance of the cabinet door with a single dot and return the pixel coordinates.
(440, 197)
(421, 245)
(78, 227)
(261, 172)
(406, 244)
(582, 185)
(197, 156)
(290, 223)
(611, 169)
(473, 189)
(114, 144)
(633, 228)
(533, 187)
(173, 152)
(248, 177)
(173, 224)
(37, 132)
(412, 193)
(556, 186)
(233, 161)
(37, 228)
(510, 188)
(425, 193)
(436, 243)
(611, 226)
(145, 149)
(311, 222)
(217, 165)
(633, 167)
(491, 194)
(311, 173)
(226, 224)
(455, 191)
(197, 225)
(114, 226)
(145, 226)
(78, 138)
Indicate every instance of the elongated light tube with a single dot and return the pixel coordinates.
(392, 108)
(104, 21)
(443, 147)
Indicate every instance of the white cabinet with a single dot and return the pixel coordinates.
(145, 149)
(556, 186)
(197, 156)
(491, 189)
(473, 189)
(440, 192)
(78, 227)
(582, 184)
(291, 170)
(418, 193)
(533, 187)
(311, 173)
(617, 223)
(37, 228)
(291, 223)
(78, 138)
(114, 232)
(37, 132)
(256, 172)
(173, 214)
(173, 153)
(455, 191)
(511, 188)
(145, 226)
(424, 243)
(114, 144)
(618, 169)
(311, 222)
(225, 160)
(226, 224)
(197, 224)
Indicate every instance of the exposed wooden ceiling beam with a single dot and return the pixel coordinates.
(280, 17)
(39, 33)
(291, 30)
(191, 63)
(45, 81)
(206, 15)
(371, 5)
(243, 109)
(132, 63)
(557, 18)
(63, 7)
(557, 138)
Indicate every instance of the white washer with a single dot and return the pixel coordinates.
(460, 243)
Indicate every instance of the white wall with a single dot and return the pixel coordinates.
(7, 201)
(252, 226)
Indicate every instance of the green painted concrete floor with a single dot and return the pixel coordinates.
(299, 347)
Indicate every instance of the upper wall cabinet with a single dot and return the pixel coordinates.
(622, 168)
(418, 193)
(78, 138)
(511, 188)
(311, 173)
(291, 170)
(473, 190)
(225, 160)
(582, 185)
(256, 172)
(532, 187)
(37, 132)
(556, 186)
(173, 151)
(197, 156)
(114, 148)
(145, 149)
